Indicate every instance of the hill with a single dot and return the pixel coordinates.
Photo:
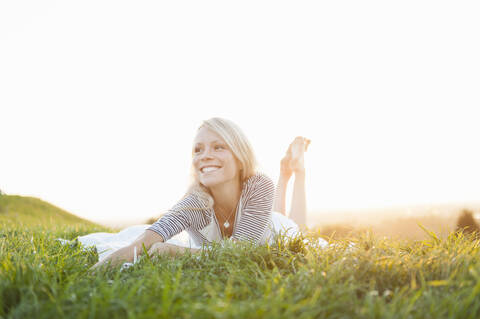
(34, 211)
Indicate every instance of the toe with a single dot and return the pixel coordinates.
(307, 143)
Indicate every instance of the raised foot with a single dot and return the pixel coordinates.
(293, 160)
(298, 147)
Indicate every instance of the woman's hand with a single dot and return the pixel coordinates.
(100, 264)
(170, 249)
(125, 254)
(119, 256)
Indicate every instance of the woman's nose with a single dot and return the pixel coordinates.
(206, 154)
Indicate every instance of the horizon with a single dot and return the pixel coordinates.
(358, 216)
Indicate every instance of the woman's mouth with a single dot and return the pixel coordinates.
(208, 169)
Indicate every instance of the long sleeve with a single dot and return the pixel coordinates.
(189, 213)
(257, 210)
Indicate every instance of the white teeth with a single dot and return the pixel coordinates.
(209, 169)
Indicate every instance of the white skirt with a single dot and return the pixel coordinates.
(106, 243)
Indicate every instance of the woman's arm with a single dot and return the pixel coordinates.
(281, 194)
(257, 210)
(190, 212)
(170, 249)
(125, 254)
(281, 190)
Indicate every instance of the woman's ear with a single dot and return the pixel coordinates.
(239, 164)
(241, 173)
(240, 168)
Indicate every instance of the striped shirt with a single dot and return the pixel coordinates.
(253, 218)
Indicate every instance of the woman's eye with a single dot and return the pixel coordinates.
(219, 147)
(196, 150)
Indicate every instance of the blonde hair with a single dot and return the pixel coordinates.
(241, 149)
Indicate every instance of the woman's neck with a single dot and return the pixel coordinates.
(226, 195)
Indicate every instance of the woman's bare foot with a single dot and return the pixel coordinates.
(297, 148)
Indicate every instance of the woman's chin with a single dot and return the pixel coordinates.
(210, 182)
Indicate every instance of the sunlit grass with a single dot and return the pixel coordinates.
(363, 277)
(23, 210)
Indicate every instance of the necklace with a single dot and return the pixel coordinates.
(226, 224)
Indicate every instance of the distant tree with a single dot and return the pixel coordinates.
(151, 220)
(467, 224)
(2, 208)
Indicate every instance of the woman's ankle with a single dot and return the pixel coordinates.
(284, 178)
(299, 173)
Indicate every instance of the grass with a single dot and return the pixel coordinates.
(31, 210)
(360, 277)
(375, 278)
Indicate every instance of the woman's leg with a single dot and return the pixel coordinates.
(294, 161)
(298, 209)
(281, 189)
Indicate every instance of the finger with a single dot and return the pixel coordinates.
(95, 268)
(155, 248)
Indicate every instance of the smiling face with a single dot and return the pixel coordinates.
(213, 161)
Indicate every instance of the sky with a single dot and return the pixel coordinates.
(100, 100)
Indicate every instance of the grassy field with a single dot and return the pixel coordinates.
(34, 211)
(371, 278)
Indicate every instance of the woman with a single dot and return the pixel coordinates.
(228, 198)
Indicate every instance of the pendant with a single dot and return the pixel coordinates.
(226, 224)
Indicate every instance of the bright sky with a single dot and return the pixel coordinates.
(100, 100)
